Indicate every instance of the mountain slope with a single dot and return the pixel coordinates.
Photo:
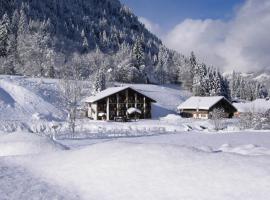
(105, 23)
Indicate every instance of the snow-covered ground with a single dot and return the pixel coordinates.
(165, 158)
(176, 166)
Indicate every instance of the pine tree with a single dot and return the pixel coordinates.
(200, 73)
(188, 76)
(161, 71)
(85, 44)
(4, 33)
(193, 62)
(216, 84)
(225, 88)
(100, 82)
(138, 53)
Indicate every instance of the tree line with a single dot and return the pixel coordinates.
(104, 42)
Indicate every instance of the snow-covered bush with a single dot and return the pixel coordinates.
(252, 120)
(218, 116)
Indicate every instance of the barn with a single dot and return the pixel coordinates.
(201, 107)
(119, 102)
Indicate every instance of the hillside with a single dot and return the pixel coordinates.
(42, 38)
(104, 23)
(34, 103)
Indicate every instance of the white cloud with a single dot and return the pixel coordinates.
(243, 43)
(151, 26)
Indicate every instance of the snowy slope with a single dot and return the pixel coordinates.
(31, 103)
(168, 97)
(25, 144)
(19, 103)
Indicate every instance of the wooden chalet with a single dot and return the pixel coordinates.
(201, 107)
(116, 102)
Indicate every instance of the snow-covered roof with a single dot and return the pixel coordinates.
(108, 92)
(134, 110)
(201, 103)
(257, 106)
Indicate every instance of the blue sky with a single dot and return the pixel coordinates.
(229, 34)
(168, 13)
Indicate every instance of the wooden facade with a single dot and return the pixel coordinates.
(205, 113)
(116, 105)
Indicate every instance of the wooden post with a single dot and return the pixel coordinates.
(126, 102)
(95, 107)
(89, 110)
(117, 105)
(144, 107)
(136, 100)
(108, 109)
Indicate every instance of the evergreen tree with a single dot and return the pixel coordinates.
(216, 84)
(100, 81)
(4, 34)
(225, 88)
(193, 63)
(85, 44)
(162, 66)
(200, 73)
(190, 66)
(138, 53)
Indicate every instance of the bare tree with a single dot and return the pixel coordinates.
(71, 87)
(217, 116)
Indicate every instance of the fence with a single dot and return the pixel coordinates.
(103, 132)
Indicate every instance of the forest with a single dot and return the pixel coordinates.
(103, 41)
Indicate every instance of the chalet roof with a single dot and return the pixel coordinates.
(201, 103)
(110, 91)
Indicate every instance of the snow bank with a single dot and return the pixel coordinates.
(122, 170)
(249, 149)
(25, 143)
(16, 183)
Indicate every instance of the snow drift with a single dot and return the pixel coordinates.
(122, 170)
(25, 144)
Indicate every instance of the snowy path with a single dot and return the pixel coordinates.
(16, 183)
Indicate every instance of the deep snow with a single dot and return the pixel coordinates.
(179, 166)
(26, 143)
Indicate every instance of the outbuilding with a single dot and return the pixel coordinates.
(202, 107)
(117, 102)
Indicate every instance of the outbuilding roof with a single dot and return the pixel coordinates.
(201, 103)
(110, 91)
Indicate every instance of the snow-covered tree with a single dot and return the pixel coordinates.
(199, 76)
(85, 44)
(162, 65)
(100, 81)
(71, 87)
(138, 53)
(4, 35)
(217, 117)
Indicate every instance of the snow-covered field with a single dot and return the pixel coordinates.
(176, 166)
(164, 158)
